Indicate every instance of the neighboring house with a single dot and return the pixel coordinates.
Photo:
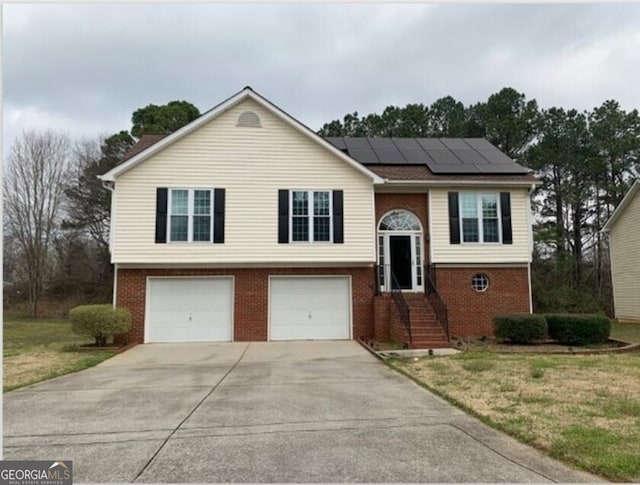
(246, 225)
(623, 228)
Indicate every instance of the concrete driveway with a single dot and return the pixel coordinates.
(259, 412)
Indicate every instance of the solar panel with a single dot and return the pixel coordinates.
(390, 156)
(479, 144)
(406, 143)
(495, 156)
(381, 144)
(416, 156)
(364, 156)
(336, 141)
(440, 155)
(470, 156)
(356, 143)
(444, 156)
(455, 143)
(431, 144)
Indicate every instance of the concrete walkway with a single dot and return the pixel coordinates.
(259, 412)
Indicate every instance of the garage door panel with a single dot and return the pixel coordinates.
(190, 309)
(313, 308)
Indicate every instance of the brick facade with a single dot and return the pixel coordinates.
(470, 312)
(251, 297)
(416, 203)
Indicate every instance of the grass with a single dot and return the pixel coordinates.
(37, 350)
(629, 332)
(582, 409)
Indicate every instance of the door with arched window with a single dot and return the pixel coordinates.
(400, 246)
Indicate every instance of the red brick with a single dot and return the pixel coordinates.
(470, 312)
(251, 297)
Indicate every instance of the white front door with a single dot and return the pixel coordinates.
(189, 309)
(310, 308)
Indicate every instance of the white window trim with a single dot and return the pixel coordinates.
(310, 216)
(479, 218)
(190, 214)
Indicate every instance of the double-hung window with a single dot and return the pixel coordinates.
(311, 216)
(190, 215)
(480, 217)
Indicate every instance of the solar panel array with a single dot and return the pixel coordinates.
(440, 155)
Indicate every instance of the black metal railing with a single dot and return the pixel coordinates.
(401, 305)
(439, 307)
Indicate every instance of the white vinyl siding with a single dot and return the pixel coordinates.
(443, 251)
(624, 240)
(252, 165)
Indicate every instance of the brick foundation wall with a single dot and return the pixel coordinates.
(470, 312)
(251, 297)
(381, 317)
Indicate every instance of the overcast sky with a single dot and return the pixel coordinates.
(84, 68)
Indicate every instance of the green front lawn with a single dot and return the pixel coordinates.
(582, 409)
(37, 350)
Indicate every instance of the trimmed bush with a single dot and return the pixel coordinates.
(573, 329)
(520, 329)
(101, 322)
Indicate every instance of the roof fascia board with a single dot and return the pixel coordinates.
(626, 200)
(439, 183)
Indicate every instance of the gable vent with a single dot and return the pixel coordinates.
(249, 119)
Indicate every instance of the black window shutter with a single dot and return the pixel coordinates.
(218, 216)
(283, 216)
(505, 209)
(454, 219)
(338, 216)
(161, 215)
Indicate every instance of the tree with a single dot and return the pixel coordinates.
(163, 119)
(509, 121)
(88, 203)
(447, 118)
(36, 174)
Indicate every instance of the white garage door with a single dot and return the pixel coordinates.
(189, 309)
(314, 308)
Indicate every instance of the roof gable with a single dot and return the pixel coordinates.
(626, 201)
(246, 93)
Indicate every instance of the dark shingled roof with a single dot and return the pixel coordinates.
(422, 173)
(468, 156)
(142, 144)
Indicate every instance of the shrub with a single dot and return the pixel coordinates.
(520, 329)
(573, 329)
(101, 322)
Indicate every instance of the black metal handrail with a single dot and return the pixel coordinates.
(438, 305)
(401, 304)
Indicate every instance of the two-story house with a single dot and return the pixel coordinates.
(246, 225)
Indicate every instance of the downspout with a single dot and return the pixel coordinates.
(110, 186)
(530, 231)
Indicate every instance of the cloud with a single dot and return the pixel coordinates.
(87, 67)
